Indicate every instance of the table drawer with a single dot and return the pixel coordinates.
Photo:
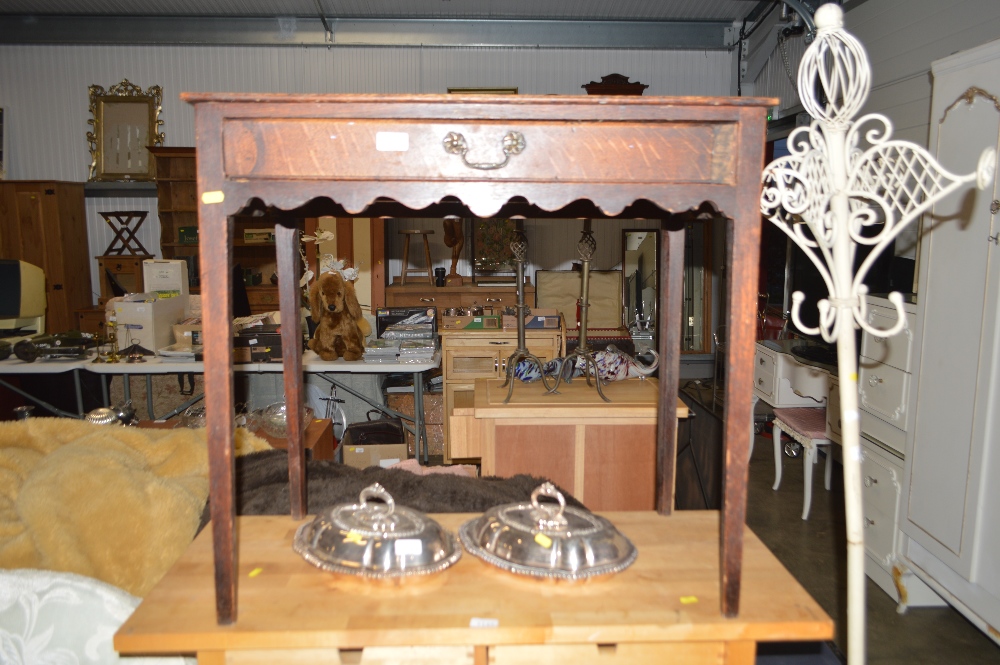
(468, 364)
(497, 299)
(355, 147)
(427, 298)
(879, 501)
(894, 351)
(263, 298)
(763, 375)
(884, 392)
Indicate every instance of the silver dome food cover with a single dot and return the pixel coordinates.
(548, 540)
(377, 540)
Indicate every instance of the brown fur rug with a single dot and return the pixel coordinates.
(119, 504)
(262, 487)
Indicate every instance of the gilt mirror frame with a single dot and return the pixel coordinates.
(126, 121)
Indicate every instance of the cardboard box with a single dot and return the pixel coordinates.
(539, 318)
(258, 236)
(258, 344)
(165, 278)
(187, 335)
(379, 454)
(485, 322)
(149, 324)
(386, 316)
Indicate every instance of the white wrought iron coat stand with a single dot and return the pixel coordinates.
(841, 176)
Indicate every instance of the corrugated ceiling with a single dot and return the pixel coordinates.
(592, 10)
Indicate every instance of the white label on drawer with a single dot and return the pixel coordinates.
(408, 547)
(386, 463)
(392, 141)
(252, 341)
(479, 622)
(358, 450)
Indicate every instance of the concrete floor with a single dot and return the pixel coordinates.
(814, 551)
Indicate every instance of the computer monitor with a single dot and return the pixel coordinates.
(22, 297)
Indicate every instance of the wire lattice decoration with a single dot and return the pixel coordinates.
(842, 176)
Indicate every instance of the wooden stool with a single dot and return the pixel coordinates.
(407, 233)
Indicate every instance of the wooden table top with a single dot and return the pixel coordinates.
(670, 594)
(630, 398)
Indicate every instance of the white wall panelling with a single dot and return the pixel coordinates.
(43, 90)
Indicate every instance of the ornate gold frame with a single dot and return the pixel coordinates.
(125, 122)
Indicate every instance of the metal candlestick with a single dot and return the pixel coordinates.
(582, 354)
(520, 248)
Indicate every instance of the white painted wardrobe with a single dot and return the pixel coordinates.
(950, 507)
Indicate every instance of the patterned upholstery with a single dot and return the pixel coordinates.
(803, 423)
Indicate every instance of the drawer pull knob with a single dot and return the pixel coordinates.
(512, 144)
(869, 481)
(427, 300)
(869, 522)
(874, 380)
(761, 361)
(496, 364)
(760, 382)
(879, 340)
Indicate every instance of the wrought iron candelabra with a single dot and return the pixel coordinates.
(519, 246)
(582, 354)
(843, 175)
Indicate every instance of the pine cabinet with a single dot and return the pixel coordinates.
(468, 355)
(44, 223)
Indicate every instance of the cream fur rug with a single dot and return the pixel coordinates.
(119, 504)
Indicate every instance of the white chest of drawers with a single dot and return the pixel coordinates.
(885, 376)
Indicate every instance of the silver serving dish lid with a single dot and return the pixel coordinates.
(376, 540)
(548, 539)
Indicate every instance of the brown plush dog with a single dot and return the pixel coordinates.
(340, 327)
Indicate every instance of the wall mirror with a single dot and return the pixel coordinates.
(640, 284)
(125, 122)
(639, 278)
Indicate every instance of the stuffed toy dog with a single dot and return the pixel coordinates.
(340, 327)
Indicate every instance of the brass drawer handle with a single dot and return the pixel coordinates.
(427, 300)
(494, 300)
(512, 144)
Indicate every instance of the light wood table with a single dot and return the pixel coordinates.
(602, 452)
(664, 608)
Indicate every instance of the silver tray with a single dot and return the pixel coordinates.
(376, 540)
(548, 540)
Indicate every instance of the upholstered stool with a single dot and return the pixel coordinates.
(808, 427)
(407, 233)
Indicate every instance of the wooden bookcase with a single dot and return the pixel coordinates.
(177, 207)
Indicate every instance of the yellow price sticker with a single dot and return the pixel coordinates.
(543, 540)
(354, 537)
(255, 572)
(689, 600)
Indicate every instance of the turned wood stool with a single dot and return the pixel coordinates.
(806, 425)
(407, 233)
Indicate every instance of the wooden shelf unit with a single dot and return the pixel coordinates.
(177, 207)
